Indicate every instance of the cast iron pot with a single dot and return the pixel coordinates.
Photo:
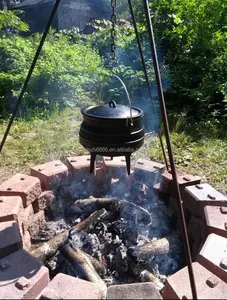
(112, 130)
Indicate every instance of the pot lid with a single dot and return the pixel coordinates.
(112, 111)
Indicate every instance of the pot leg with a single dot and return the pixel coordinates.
(128, 162)
(92, 162)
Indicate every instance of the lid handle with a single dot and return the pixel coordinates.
(112, 104)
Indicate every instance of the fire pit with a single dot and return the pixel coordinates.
(110, 229)
(120, 234)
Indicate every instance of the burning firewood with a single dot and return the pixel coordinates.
(98, 265)
(49, 248)
(84, 207)
(147, 276)
(83, 266)
(144, 275)
(166, 245)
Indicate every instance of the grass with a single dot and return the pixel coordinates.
(37, 141)
(206, 158)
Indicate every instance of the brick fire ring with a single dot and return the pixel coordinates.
(23, 199)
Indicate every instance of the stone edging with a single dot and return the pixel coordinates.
(22, 199)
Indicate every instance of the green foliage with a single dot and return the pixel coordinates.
(191, 42)
(72, 34)
(192, 35)
(127, 64)
(65, 73)
(11, 23)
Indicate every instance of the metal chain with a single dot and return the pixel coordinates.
(113, 30)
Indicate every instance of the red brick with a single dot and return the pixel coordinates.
(165, 180)
(116, 167)
(23, 277)
(156, 187)
(50, 174)
(10, 239)
(149, 166)
(144, 290)
(25, 217)
(79, 165)
(216, 218)
(48, 294)
(10, 207)
(118, 161)
(162, 196)
(174, 203)
(45, 199)
(212, 254)
(26, 240)
(208, 285)
(27, 187)
(173, 206)
(67, 287)
(195, 249)
(37, 220)
(22, 283)
(199, 195)
(148, 171)
(194, 229)
(35, 205)
(100, 182)
(168, 186)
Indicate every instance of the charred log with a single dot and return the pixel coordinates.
(143, 275)
(83, 266)
(98, 265)
(167, 245)
(139, 271)
(84, 207)
(49, 248)
(147, 276)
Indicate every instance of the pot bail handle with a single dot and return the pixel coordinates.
(112, 104)
(129, 121)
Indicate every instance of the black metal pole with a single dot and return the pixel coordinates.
(30, 72)
(146, 78)
(169, 147)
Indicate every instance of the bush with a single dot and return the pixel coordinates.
(193, 37)
(65, 73)
(10, 23)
